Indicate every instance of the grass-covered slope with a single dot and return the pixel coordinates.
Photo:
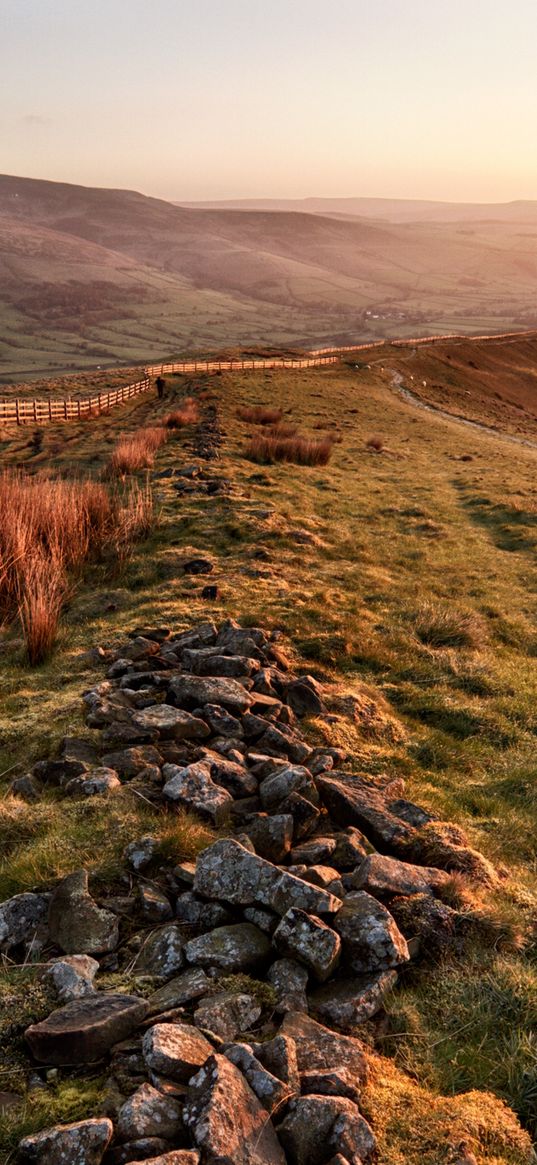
(407, 565)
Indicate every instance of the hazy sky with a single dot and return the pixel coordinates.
(227, 98)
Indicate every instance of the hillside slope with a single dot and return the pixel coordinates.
(193, 277)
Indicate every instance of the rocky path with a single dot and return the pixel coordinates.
(253, 968)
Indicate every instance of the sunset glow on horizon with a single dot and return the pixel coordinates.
(249, 99)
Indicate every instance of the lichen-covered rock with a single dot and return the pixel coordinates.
(20, 917)
(171, 723)
(317, 1126)
(230, 948)
(316, 850)
(317, 1047)
(279, 1056)
(276, 742)
(386, 877)
(175, 1050)
(345, 1003)
(231, 775)
(272, 836)
(72, 976)
(293, 779)
(269, 1089)
(228, 872)
(305, 696)
(193, 911)
(227, 1014)
(128, 762)
(289, 980)
(162, 952)
(190, 985)
(154, 905)
(83, 1030)
(94, 783)
(149, 1113)
(350, 849)
(196, 691)
(309, 940)
(371, 938)
(140, 854)
(192, 788)
(76, 923)
(227, 1121)
(81, 1143)
(221, 722)
(358, 801)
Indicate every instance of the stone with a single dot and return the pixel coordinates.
(175, 1157)
(161, 953)
(154, 905)
(222, 665)
(227, 1121)
(310, 941)
(193, 788)
(190, 985)
(128, 762)
(228, 872)
(345, 1003)
(353, 800)
(235, 948)
(293, 779)
(350, 849)
(72, 977)
(233, 776)
(271, 836)
(84, 1030)
(196, 691)
(204, 635)
(371, 938)
(275, 742)
(76, 923)
(305, 696)
(94, 783)
(289, 980)
(228, 1013)
(198, 566)
(140, 648)
(335, 1061)
(27, 788)
(316, 850)
(386, 877)
(278, 1055)
(429, 926)
(140, 854)
(247, 640)
(171, 723)
(138, 1150)
(269, 1089)
(80, 1143)
(59, 772)
(20, 918)
(222, 723)
(325, 876)
(264, 919)
(193, 911)
(322, 762)
(305, 815)
(175, 1050)
(148, 1113)
(317, 1125)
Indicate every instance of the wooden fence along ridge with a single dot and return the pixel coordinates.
(39, 412)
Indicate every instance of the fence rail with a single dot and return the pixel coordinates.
(39, 412)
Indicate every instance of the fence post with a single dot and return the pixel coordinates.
(17, 411)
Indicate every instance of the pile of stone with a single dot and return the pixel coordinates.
(265, 955)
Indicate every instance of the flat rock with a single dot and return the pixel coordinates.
(239, 947)
(190, 985)
(196, 691)
(222, 722)
(227, 1121)
(320, 1050)
(228, 872)
(309, 940)
(175, 1050)
(228, 1013)
(371, 938)
(175, 1157)
(94, 783)
(193, 788)
(76, 923)
(316, 850)
(81, 1143)
(386, 877)
(353, 800)
(171, 723)
(128, 762)
(84, 1030)
(149, 1113)
(349, 1002)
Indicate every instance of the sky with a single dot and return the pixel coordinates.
(210, 99)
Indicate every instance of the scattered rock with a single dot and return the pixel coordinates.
(76, 923)
(148, 1113)
(315, 1126)
(228, 872)
(84, 1030)
(72, 977)
(162, 952)
(20, 918)
(310, 941)
(171, 723)
(227, 1014)
(185, 988)
(349, 1002)
(81, 1143)
(371, 938)
(386, 877)
(196, 691)
(227, 1121)
(289, 980)
(269, 1089)
(230, 948)
(193, 788)
(175, 1050)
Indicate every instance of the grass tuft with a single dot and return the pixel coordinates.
(266, 450)
(439, 626)
(257, 415)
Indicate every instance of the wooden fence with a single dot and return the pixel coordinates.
(39, 412)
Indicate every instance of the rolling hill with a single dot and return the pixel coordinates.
(106, 276)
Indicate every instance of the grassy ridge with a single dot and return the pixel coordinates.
(409, 567)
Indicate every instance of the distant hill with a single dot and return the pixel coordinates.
(394, 210)
(105, 276)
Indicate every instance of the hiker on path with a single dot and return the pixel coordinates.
(161, 385)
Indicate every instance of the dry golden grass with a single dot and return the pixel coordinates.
(300, 450)
(187, 414)
(137, 451)
(258, 415)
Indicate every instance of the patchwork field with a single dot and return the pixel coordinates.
(403, 570)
